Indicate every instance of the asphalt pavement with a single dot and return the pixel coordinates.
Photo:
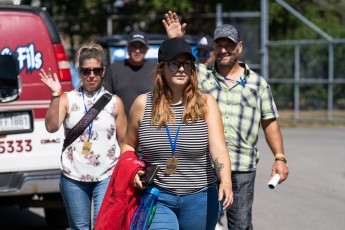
(313, 196)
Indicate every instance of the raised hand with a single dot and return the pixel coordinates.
(173, 26)
(52, 82)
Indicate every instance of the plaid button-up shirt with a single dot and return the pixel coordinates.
(242, 106)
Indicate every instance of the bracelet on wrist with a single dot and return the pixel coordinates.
(279, 155)
(226, 184)
(57, 93)
(281, 159)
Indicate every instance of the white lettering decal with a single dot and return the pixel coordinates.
(27, 57)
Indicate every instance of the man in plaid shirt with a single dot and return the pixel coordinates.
(245, 101)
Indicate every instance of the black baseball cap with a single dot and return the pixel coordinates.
(172, 47)
(138, 36)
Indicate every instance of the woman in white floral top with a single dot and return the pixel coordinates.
(88, 162)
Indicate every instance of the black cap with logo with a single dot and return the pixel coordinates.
(138, 36)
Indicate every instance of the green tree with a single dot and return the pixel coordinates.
(326, 14)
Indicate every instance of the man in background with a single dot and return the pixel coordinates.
(204, 51)
(133, 76)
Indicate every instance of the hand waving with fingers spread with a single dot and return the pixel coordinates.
(173, 26)
(52, 82)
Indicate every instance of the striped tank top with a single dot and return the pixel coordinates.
(194, 170)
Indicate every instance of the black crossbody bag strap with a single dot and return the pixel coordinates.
(91, 114)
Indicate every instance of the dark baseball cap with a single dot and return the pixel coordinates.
(205, 43)
(138, 36)
(227, 31)
(172, 47)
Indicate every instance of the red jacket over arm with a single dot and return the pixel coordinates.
(121, 199)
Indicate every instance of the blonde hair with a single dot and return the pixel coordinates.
(193, 99)
(90, 50)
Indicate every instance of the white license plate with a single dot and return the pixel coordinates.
(16, 122)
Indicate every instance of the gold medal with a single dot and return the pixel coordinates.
(86, 148)
(171, 166)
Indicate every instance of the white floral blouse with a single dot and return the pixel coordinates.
(99, 163)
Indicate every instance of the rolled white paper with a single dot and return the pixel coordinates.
(274, 181)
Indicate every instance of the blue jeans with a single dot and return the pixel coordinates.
(77, 197)
(186, 212)
(240, 214)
